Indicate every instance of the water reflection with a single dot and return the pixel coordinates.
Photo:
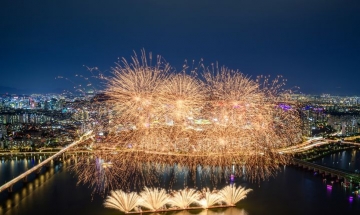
(23, 193)
(292, 191)
(8, 203)
(346, 160)
(14, 166)
(220, 211)
(103, 174)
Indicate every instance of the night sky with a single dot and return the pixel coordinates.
(314, 44)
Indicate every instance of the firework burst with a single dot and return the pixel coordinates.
(134, 88)
(209, 198)
(184, 198)
(157, 118)
(182, 96)
(154, 198)
(232, 194)
(122, 201)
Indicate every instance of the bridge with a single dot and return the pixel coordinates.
(292, 149)
(346, 175)
(8, 186)
(312, 143)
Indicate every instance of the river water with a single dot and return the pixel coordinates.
(292, 191)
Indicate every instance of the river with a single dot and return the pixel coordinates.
(292, 191)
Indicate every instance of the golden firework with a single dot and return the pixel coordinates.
(221, 119)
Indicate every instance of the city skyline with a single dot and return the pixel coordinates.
(314, 45)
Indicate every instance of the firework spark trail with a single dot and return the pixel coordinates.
(156, 199)
(157, 118)
(184, 198)
(232, 194)
(101, 174)
(182, 95)
(209, 198)
(133, 89)
(122, 201)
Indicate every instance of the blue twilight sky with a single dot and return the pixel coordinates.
(314, 44)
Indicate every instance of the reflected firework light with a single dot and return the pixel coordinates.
(133, 170)
(99, 173)
(154, 119)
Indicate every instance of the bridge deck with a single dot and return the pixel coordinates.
(9, 184)
(341, 173)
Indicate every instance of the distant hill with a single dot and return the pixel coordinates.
(12, 90)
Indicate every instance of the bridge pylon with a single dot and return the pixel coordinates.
(38, 171)
(47, 166)
(10, 189)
